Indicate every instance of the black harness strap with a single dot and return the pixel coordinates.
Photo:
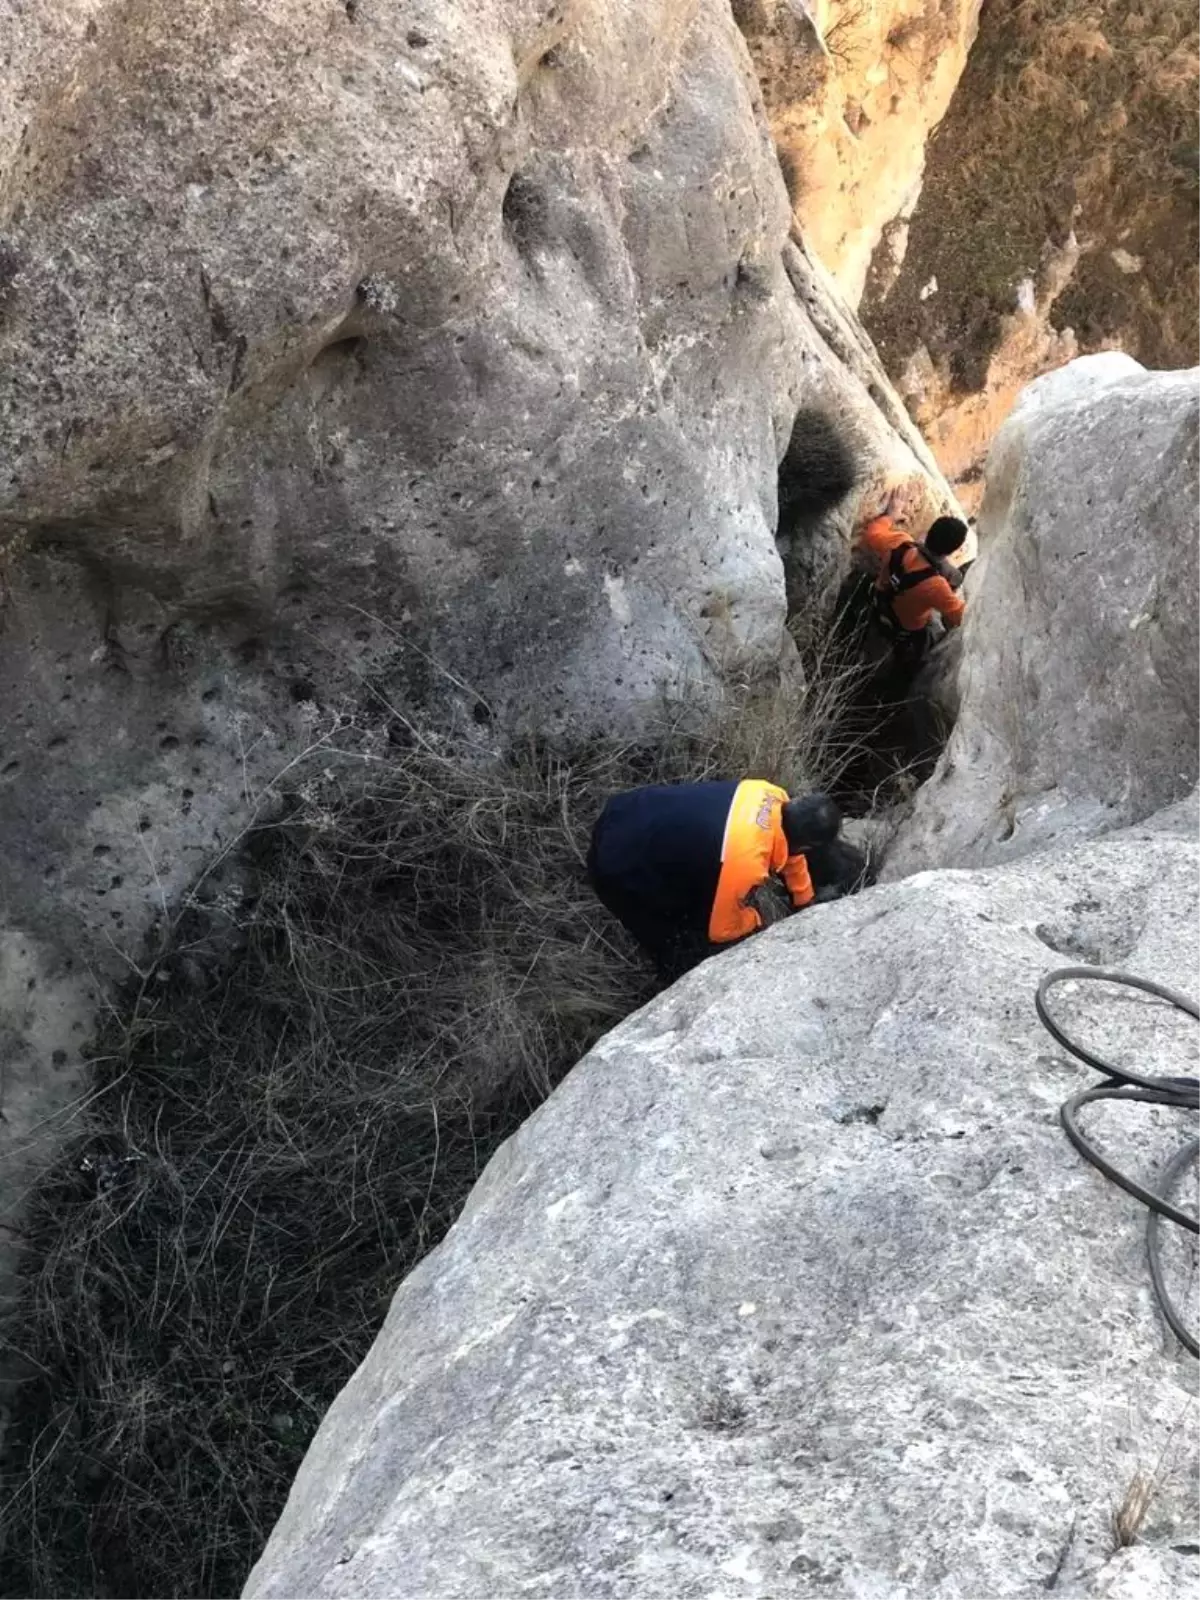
(901, 579)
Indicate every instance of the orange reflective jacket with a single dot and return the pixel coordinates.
(915, 607)
(754, 846)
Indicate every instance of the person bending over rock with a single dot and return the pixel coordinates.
(913, 578)
(681, 865)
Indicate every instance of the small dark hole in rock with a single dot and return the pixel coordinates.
(340, 350)
(168, 742)
(525, 212)
(869, 1114)
(303, 689)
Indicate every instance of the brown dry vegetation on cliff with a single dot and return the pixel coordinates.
(1071, 114)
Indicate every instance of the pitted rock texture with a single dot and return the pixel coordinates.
(1076, 681)
(470, 315)
(796, 1288)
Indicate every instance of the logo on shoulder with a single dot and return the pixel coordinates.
(763, 819)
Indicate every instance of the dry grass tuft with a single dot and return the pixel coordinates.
(1129, 1517)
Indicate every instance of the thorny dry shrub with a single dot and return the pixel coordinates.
(290, 1106)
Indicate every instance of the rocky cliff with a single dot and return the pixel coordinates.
(795, 1286)
(355, 358)
(468, 317)
(360, 363)
(853, 92)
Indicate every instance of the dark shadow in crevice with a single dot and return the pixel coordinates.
(896, 724)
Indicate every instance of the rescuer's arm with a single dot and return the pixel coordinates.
(945, 600)
(879, 537)
(795, 875)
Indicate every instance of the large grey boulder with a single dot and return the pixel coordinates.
(471, 315)
(1076, 685)
(795, 1287)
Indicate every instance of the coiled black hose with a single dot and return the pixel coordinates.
(1179, 1093)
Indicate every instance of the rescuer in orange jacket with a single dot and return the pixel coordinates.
(679, 863)
(914, 579)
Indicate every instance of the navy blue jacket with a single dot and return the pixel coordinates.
(656, 855)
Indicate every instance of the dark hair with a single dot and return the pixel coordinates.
(838, 868)
(811, 821)
(945, 536)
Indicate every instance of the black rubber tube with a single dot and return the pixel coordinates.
(1181, 1094)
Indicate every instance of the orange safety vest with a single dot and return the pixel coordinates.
(754, 846)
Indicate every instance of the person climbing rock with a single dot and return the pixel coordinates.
(681, 864)
(913, 578)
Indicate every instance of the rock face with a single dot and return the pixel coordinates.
(468, 315)
(795, 1286)
(471, 312)
(852, 92)
(1076, 683)
(353, 357)
(1057, 215)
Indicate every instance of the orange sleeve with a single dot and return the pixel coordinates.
(754, 848)
(795, 875)
(881, 535)
(944, 599)
(792, 869)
